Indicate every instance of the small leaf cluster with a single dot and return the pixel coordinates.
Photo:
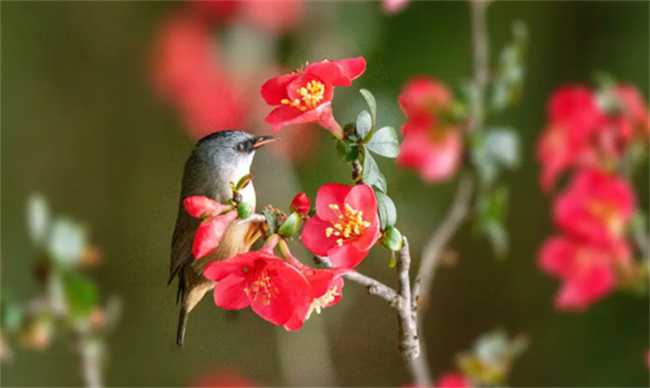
(363, 140)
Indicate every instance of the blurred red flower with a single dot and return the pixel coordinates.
(596, 207)
(273, 17)
(187, 74)
(424, 96)
(453, 380)
(574, 117)
(301, 203)
(272, 288)
(633, 118)
(346, 224)
(223, 377)
(582, 133)
(432, 142)
(216, 218)
(392, 7)
(433, 151)
(305, 96)
(587, 272)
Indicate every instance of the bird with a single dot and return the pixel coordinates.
(217, 161)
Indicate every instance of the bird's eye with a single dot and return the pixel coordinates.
(241, 147)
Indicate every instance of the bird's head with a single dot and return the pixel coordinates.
(230, 150)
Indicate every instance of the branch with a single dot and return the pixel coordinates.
(399, 300)
(375, 287)
(643, 242)
(439, 240)
(253, 218)
(91, 363)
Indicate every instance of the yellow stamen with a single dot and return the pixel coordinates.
(311, 96)
(351, 226)
(320, 303)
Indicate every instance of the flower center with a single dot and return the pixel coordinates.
(609, 215)
(320, 303)
(351, 225)
(261, 290)
(310, 96)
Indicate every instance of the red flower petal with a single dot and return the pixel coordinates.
(352, 68)
(314, 238)
(210, 233)
(218, 270)
(229, 293)
(198, 206)
(346, 255)
(275, 89)
(361, 197)
(292, 291)
(331, 194)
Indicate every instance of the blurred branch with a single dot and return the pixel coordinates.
(461, 204)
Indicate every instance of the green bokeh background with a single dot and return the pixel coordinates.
(81, 124)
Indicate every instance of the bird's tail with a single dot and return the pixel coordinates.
(182, 325)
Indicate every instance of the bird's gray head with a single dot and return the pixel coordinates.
(230, 149)
(218, 159)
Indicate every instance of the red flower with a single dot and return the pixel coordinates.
(216, 217)
(223, 377)
(269, 285)
(574, 119)
(433, 151)
(326, 290)
(301, 203)
(273, 16)
(596, 207)
(587, 272)
(634, 112)
(424, 96)
(346, 224)
(452, 380)
(186, 73)
(305, 96)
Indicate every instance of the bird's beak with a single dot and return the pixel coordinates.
(263, 140)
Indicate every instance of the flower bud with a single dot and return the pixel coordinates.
(301, 204)
(244, 210)
(392, 239)
(290, 226)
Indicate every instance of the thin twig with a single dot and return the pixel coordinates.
(439, 240)
(375, 287)
(91, 363)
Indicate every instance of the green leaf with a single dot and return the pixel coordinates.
(372, 103)
(290, 226)
(370, 172)
(80, 294)
(38, 217)
(243, 182)
(67, 241)
(364, 124)
(392, 239)
(381, 184)
(12, 317)
(502, 145)
(508, 83)
(348, 151)
(271, 220)
(386, 209)
(384, 142)
(494, 149)
(498, 237)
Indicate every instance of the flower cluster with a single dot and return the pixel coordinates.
(590, 129)
(433, 141)
(591, 135)
(283, 290)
